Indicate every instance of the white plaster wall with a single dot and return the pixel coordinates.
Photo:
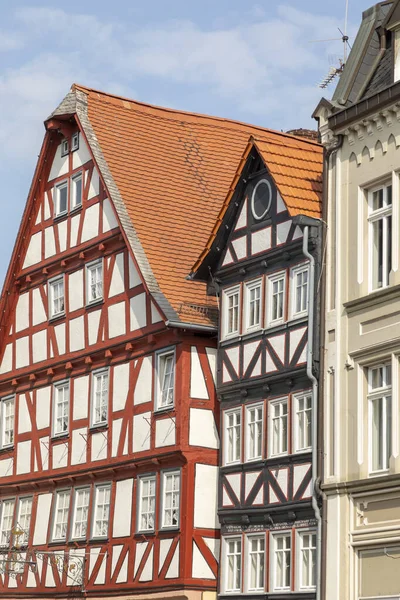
(23, 457)
(134, 277)
(43, 407)
(123, 572)
(117, 280)
(200, 568)
(138, 311)
(205, 497)
(80, 398)
(99, 445)
(94, 186)
(261, 240)
(75, 282)
(22, 352)
(91, 223)
(60, 456)
(24, 421)
(282, 231)
(116, 320)
(75, 220)
(22, 312)
(38, 312)
(109, 219)
(141, 432)
(44, 451)
(47, 212)
(39, 346)
(93, 326)
(147, 573)
(62, 235)
(173, 570)
(198, 388)
(42, 519)
(116, 432)
(59, 166)
(49, 242)
(6, 467)
(140, 550)
(240, 247)
(76, 334)
(82, 155)
(34, 252)
(59, 330)
(79, 446)
(143, 389)
(165, 545)
(155, 315)
(6, 363)
(202, 428)
(165, 432)
(123, 508)
(121, 386)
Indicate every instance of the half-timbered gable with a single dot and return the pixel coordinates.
(263, 256)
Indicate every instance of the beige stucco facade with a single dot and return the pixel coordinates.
(362, 331)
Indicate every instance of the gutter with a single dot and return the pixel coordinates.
(192, 326)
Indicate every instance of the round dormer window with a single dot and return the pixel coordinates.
(261, 199)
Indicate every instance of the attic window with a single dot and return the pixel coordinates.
(64, 147)
(261, 199)
(75, 142)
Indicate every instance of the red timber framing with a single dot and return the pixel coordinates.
(99, 466)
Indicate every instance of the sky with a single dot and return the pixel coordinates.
(252, 61)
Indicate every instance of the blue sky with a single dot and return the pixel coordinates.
(252, 61)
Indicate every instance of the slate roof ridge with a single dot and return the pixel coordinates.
(198, 117)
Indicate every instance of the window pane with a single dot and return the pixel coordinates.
(166, 374)
(77, 191)
(147, 504)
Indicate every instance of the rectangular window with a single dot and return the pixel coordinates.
(101, 510)
(94, 282)
(81, 513)
(278, 412)
(276, 299)
(61, 511)
(170, 499)
(380, 235)
(253, 306)
(56, 297)
(231, 311)
(233, 564)
(254, 431)
(76, 191)
(99, 398)
(23, 521)
(61, 408)
(64, 147)
(61, 199)
(302, 422)
(7, 421)
(75, 141)
(308, 556)
(7, 517)
(380, 416)
(281, 563)
(165, 378)
(299, 293)
(233, 436)
(147, 503)
(255, 563)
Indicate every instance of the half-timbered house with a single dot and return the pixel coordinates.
(262, 261)
(108, 422)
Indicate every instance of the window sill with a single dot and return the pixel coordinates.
(164, 409)
(57, 317)
(95, 303)
(379, 473)
(166, 529)
(373, 298)
(6, 449)
(101, 539)
(98, 428)
(145, 532)
(59, 436)
(76, 209)
(268, 330)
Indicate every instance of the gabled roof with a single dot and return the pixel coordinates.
(167, 173)
(297, 173)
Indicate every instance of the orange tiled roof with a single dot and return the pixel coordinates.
(173, 170)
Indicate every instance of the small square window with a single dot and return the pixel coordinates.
(170, 499)
(94, 282)
(60, 408)
(99, 398)
(75, 142)
(299, 277)
(64, 147)
(7, 407)
(147, 503)
(76, 191)
(252, 305)
(165, 379)
(61, 199)
(276, 299)
(56, 297)
(101, 510)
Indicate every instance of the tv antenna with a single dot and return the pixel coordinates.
(335, 71)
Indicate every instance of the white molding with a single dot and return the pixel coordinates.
(360, 235)
(395, 220)
(395, 406)
(360, 414)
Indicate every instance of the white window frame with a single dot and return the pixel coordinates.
(26, 526)
(271, 322)
(296, 421)
(65, 384)
(85, 520)
(299, 556)
(61, 185)
(227, 413)
(99, 373)
(249, 286)
(50, 291)
(89, 267)
(259, 537)
(151, 479)
(177, 476)
(226, 294)
(225, 557)
(271, 417)
(64, 147)
(294, 271)
(106, 487)
(11, 502)
(249, 423)
(75, 141)
(76, 177)
(163, 354)
(55, 524)
(373, 217)
(273, 561)
(383, 393)
(6, 401)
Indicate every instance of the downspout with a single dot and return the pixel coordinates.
(314, 425)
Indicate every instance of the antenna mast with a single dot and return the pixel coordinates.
(336, 71)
